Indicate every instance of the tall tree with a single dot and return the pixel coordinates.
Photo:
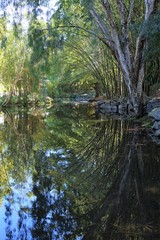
(115, 27)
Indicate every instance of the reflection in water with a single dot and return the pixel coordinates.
(67, 174)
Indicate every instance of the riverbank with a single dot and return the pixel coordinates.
(150, 119)
(25, 101)
(121, 108)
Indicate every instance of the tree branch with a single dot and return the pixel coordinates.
(122, 11)
(109, 14)
(130, 12)
(101, 25)
(150, 8)
(78, 27)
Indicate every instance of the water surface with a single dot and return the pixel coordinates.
(68, 173)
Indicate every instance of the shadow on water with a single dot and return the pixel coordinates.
(68, 174)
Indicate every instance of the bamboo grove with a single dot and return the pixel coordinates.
(107, 47)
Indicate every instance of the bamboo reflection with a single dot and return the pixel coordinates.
(92, 179)
(123, 211)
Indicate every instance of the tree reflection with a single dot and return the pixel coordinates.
(125, 209)
(103, 188)
(51, 210)
(80, 177)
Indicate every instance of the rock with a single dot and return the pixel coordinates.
(114, 109)
(157, 133)
(120, 107)
(154, 103)
(99, 102)
(155, 113)
(113, 103)
(156, 125)
(105, 106)
(130, 108)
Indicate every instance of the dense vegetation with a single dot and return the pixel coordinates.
(109, 47)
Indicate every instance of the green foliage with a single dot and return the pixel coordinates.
(152, 53)
(152, 32)
(66, 52)
(14, 66)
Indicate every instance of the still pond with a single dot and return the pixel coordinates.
(69, 173)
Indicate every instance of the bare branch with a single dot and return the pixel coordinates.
(109, 13)
(122, 11)
(100, 23)
(130, 12)
(107, 34)
(150, 7)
